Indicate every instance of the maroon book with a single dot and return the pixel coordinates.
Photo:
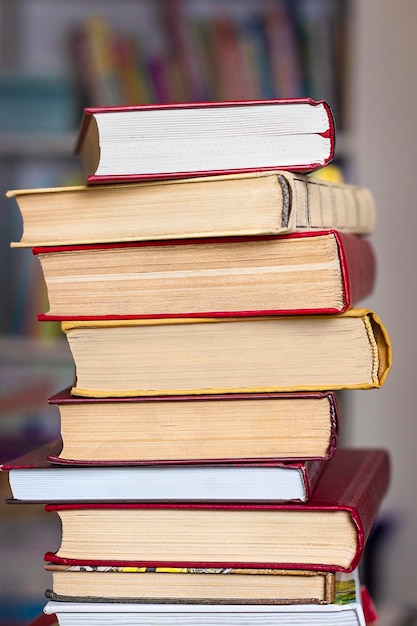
(213, 428)
(221, 276)
(329, 532)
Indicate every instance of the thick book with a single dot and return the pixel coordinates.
(33, 478)
(348, 609)
(189, 585)
(211, 428)
(129, 143)
(259, 203)
(328, 532)
(323, 272)
(229, 354)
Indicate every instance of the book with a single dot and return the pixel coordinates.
(257, 203)
(191, 585)
(323, 272)
(32, 478)
(348, 609)
(128, 143)
(211, 428)
(190, 356)
(328, 532)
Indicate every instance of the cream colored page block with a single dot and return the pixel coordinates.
(267, 353)
(238, 428)
(203, 536)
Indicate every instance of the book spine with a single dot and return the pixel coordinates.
(358, 266)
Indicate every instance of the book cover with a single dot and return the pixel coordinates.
(327, 533)
(33, 478)
(303, 273)
(197, 139)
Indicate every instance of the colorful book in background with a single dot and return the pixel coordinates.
(329, 532)
(229, 428)
(117, 144)
(322, 272)
(211, 55)
(90, 45)
(261, 203)
(33, 478)
(190, 585)
(229, 354)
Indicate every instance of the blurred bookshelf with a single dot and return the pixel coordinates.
(55, 59)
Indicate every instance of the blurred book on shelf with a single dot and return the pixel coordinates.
(30, 370)
(213, 51)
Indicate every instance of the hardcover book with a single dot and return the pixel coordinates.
(33, 478)
(189, 585)
(258, 203)
(211, 428)
(328, 532)
(323, 272)
(229, 354)
(117, 144)
(348, 609)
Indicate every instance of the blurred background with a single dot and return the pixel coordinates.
(57, 57)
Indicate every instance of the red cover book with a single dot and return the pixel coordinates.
(128, 143)
(146, 481)
(271, 272)
(344, 506)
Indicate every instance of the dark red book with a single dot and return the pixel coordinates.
(128, 143)
(33, 478)
(329, 532)
(302, 273)
(202, 428)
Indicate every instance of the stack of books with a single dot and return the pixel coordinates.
(207, 287)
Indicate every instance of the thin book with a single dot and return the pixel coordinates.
(130, 143)
(33, 478)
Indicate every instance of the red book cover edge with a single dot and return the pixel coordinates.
(65, 397)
